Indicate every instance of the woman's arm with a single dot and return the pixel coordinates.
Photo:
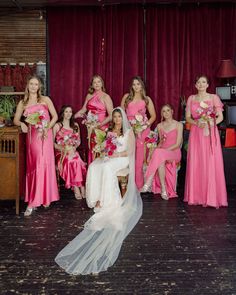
(83, 110)
(17, 117)
(179, 138)
(109, 107)
(219, 117)
(122, 104)
(55, 129)
(52, 111)
(152, 112)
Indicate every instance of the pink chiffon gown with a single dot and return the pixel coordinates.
(160, 156)
(72, 169)
(205, 179)
(97, 107)
(41, 183)
(134, 108)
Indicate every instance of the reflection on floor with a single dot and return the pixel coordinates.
(175, 249)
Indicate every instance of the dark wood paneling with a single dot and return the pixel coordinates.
(23, 37)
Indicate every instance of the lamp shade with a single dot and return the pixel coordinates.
(227, 69)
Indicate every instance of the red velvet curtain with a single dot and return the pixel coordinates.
(86, 41)
(183, 42)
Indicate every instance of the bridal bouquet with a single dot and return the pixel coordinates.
(38, 119)
(106, 143)
(139, 123)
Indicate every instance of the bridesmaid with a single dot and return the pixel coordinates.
(67, 139)
(161, 170)
(99, 103)
(137, 102)
(205, 180)
(41, 184)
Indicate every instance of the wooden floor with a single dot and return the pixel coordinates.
(175, 249)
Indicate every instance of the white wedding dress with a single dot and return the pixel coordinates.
(97, 247)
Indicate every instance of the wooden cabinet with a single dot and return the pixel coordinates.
(12, 164)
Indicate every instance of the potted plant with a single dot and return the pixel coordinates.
(7, 108)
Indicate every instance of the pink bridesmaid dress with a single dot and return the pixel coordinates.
(72, 169)
(97, 107)
(134, 108)
(41, 183)
(205, 180)
(171, 157)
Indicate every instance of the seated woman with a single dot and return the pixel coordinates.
(67, 138)
(97, 247)
(161, 171)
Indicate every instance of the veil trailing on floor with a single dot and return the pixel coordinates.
(97, 247)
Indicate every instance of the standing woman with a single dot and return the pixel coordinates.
(41, 184)
(205, 180)
(161, 171)
(98, 103)
(136, 102)
(67, 138)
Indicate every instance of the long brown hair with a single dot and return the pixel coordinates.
(112, 124)
(91, 89)
(130, 97)
(73, 125)
(39, 95)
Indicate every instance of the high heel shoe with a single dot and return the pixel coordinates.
(28, 211)
(147, 186)
(164, 195)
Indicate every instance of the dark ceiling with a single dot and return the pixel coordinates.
(24, 4)
(14, 6)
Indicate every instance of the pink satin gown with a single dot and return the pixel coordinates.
(72, 169)
(41, 183)
(205, 179)
(133, 108)
(97, 107)
(171, 158)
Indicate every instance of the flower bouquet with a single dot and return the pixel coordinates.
(139, 123)
(151, 142)
(91, 122)
(207, 116)
(67, 143)
(38, 120)
(106, 143)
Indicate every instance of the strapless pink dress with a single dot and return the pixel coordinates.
(72, 170)
(133, 108)
(161, 155)
(97, 107)
(205, 179)
(41, 183)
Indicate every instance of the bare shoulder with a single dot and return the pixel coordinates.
(106, 96)
(179, 125)
(46, 99)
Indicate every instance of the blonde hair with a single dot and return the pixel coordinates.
(130, 97)
(39, 95)
(166, 105)
(91, 89)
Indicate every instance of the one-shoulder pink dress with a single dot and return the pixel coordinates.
(72, 169)
(205, 179)
(171, 159)
(97, 107)
(41, 183)
(134, 108)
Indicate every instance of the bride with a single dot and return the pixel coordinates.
(97, 247)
